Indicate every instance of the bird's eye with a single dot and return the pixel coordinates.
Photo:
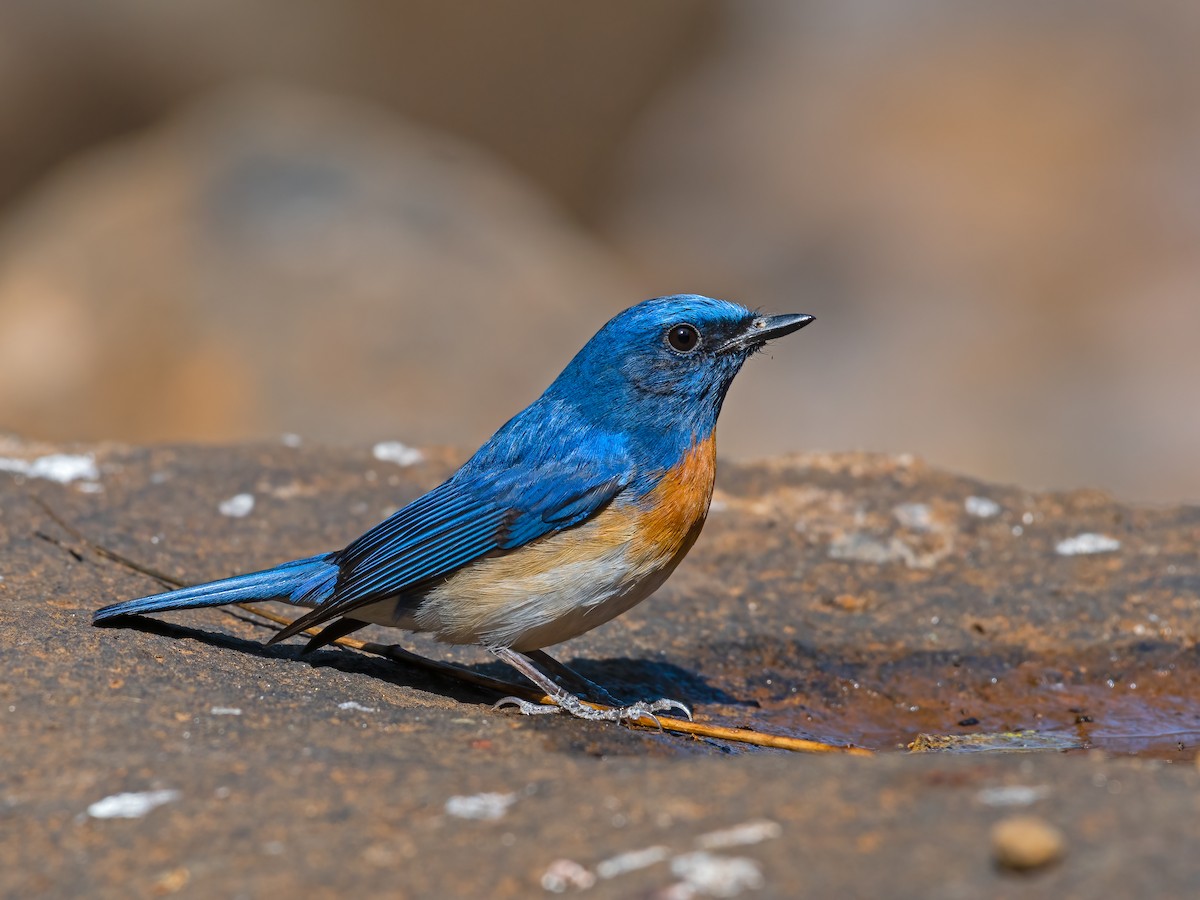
(684, 338)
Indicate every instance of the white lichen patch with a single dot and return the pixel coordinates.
(917, 516)
(753, 832)
(717, 876)
(130, 805)
(566, 873)
(981, 507)
(484, 807)
(1013, 795)
(632, 861)
(701, 872)
(866, 548)
(398, 453)
(1088, 542)
(61, 467)
(238, 506)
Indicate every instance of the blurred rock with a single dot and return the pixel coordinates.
(993, 211)
(551, 89)
(281, 261)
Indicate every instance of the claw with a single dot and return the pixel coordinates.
(527, 708)
(636, 712)
(665, 704)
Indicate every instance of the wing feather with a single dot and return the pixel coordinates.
(460, 521)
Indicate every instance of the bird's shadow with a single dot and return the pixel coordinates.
(627, 679)
(343, 660)
(631, 679)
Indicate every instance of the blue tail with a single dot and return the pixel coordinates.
(302, 581)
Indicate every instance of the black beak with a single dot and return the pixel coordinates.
(765, 328)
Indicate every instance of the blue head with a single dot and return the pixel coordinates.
(665, 364)
(650, 382)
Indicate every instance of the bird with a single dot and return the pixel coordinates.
(575, 510)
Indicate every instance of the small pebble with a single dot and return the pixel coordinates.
(1026, 842)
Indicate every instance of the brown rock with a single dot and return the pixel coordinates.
(275, 261)
(184, 754)
(971, 228)
(550, 91)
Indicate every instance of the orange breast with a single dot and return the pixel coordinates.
(559, 586)
(676, 508)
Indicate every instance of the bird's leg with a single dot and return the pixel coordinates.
(565, 701)
(562, 671)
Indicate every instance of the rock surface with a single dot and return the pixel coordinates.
(845, 597)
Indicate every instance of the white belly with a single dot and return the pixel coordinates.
(539, 610)
(542, 594)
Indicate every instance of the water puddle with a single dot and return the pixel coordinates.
(1142, 701)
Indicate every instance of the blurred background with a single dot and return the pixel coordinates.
(356, 220)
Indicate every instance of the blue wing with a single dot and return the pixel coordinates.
(503, 498)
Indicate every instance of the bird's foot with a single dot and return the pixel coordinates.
(565, 701)
(569, 703)
(564, 673)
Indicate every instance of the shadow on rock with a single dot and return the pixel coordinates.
(639, 679)
(343, 660)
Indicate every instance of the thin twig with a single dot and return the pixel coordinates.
(103, 551)
(406, 657)
(681, 726)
